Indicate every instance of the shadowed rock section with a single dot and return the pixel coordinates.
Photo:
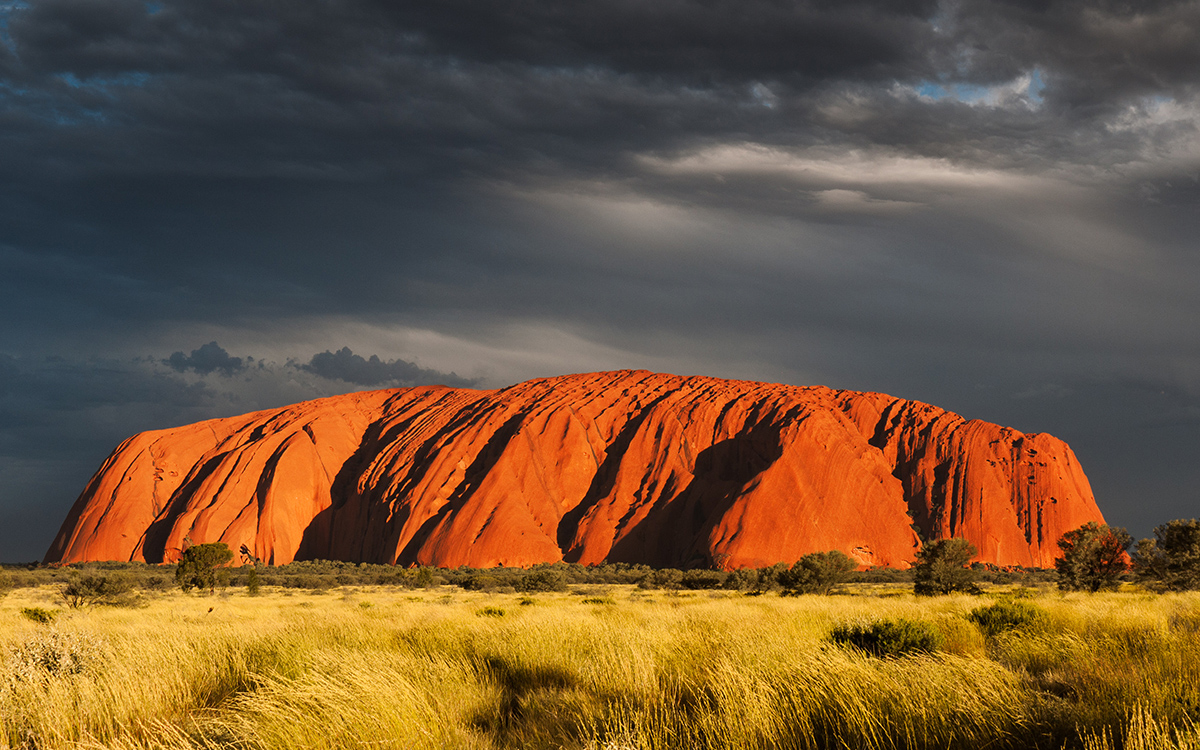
(617, 466)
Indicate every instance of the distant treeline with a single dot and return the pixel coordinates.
(327, 574)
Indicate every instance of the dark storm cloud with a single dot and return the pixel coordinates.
(208, 358)
(701, 42)
(354, 90)
(1099, 52)
(349, 367)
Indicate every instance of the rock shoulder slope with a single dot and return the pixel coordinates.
(625, 466)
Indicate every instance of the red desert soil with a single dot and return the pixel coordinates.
(627, 466)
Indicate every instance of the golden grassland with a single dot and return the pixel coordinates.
(601, 667)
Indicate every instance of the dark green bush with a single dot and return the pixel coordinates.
(490, 612)
(1008, 614)
(547, 579)
(390, 578)
(1171, 561)
(942, 568)
(155, 583)
(817, 573)
(743, 579)
(897, 637)
(112, 589)
(253, 582)
(310, 581)
(700, 578)
(666, 578)
(479, 582)
(202, 567)
(37, 614)
(1093, 557)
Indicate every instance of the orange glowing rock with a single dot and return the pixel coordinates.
(611, 466)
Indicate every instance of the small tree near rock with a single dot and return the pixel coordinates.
(1171, 561)
(201, 567)
(112, 589)
(253, 582)
(942, 568)
(817, 573)
(1093, 557)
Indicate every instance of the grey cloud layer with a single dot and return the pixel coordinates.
(258, 89)
(208, 358)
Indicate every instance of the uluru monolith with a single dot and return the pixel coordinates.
(627, 466)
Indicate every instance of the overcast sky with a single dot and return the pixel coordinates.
(212, 207)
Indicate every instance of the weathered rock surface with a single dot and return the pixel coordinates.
(617, 466)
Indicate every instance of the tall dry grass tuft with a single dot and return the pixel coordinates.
(1142, 731)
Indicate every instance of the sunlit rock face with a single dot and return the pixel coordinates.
(612, 466)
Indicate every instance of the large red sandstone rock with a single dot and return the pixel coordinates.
(617, 466)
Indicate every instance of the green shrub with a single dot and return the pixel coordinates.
(490, 612)
(156, 583)
(666, 578)
(942, 568)
(38, 614)
(894, 637)
(479, 582)
(743, 579)
(202, 567)
(113, 589)
(390, 578)
(542, 580)
(1008, 614)
(1093, 557)
(253, 582)
(310, 582)
(1171, 561)
(817, 573)
(599, 600)
(701, 578)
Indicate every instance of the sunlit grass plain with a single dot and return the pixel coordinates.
(597, 667)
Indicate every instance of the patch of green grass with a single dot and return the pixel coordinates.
(890, 637)
(40, 614)
(1009, 614)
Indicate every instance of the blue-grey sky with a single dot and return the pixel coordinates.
(208, 208)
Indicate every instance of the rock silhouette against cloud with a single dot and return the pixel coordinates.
(620, 466)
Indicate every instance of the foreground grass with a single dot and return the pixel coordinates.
(607, 668)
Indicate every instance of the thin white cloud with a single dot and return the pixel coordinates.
(858, 202)
(845, 168)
